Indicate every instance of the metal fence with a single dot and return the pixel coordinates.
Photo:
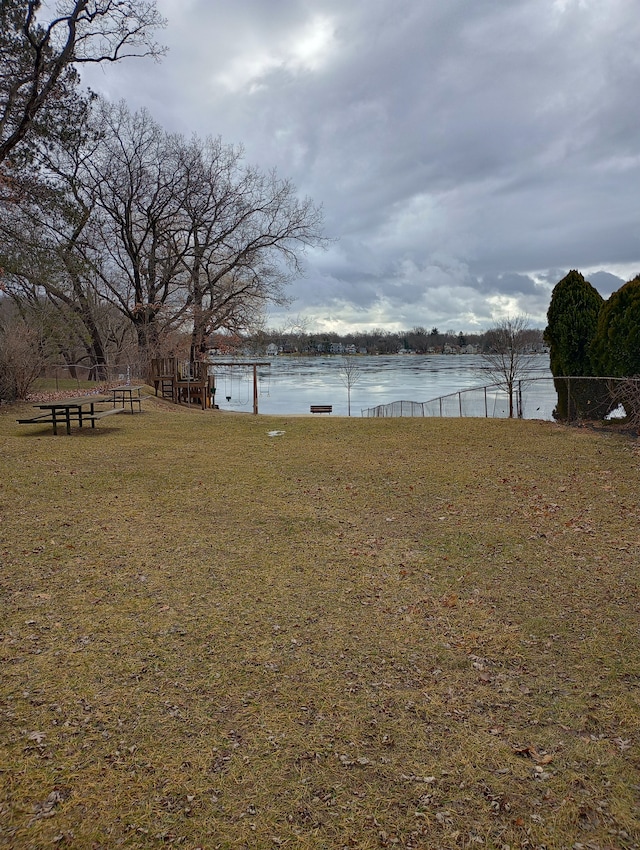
(103, 373)
(532, 398)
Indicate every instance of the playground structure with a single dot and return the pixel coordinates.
(182, 382)
(193, 382)
(244, 367)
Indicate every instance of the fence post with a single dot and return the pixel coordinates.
(519, 399)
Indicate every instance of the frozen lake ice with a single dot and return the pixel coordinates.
(292, 383)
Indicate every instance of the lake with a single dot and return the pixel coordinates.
(292, 383)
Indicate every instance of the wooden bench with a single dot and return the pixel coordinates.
(321, 408)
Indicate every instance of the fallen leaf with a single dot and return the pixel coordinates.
(38, 737)
(531, 752)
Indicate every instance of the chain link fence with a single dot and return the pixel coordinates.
(568, 398)
(80, 374)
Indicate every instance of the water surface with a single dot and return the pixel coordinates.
(292, 383)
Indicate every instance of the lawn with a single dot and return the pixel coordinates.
(356, 633)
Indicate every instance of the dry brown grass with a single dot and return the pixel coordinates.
(359, 634)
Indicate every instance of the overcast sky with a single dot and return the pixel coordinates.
(467, 153)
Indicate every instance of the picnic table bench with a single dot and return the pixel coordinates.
(321, 408)
(65, 411)
(127, 396)
(92, 417)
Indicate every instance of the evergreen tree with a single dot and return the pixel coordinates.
(572, 322)
(616, 347)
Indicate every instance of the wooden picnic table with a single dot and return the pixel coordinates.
(127, 395)
(66, 410)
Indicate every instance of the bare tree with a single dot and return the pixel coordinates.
(505, 357)
(350, 374)
(246, 231)
(189, 232)
(38, 61)
(138, 222)
(173, 234)
(22, 356)
(44, 245)
(293, 335)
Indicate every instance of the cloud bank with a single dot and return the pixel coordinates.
(466, 155)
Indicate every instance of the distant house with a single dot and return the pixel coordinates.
(272, 350)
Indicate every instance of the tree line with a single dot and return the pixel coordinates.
(117, 238)
(418, 340)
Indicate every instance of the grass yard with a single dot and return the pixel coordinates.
(357, 634)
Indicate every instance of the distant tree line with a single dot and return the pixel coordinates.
(417, 340)
(589, 337)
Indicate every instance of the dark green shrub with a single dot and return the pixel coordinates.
(572, 323)
(616, 347)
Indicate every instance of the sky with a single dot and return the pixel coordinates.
(467, 153)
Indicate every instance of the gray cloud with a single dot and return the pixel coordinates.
(463, 152)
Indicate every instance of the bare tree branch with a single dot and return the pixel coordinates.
(505, 357)
(38, 61)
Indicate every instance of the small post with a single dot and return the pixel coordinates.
(255, 388)
(519, 399)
